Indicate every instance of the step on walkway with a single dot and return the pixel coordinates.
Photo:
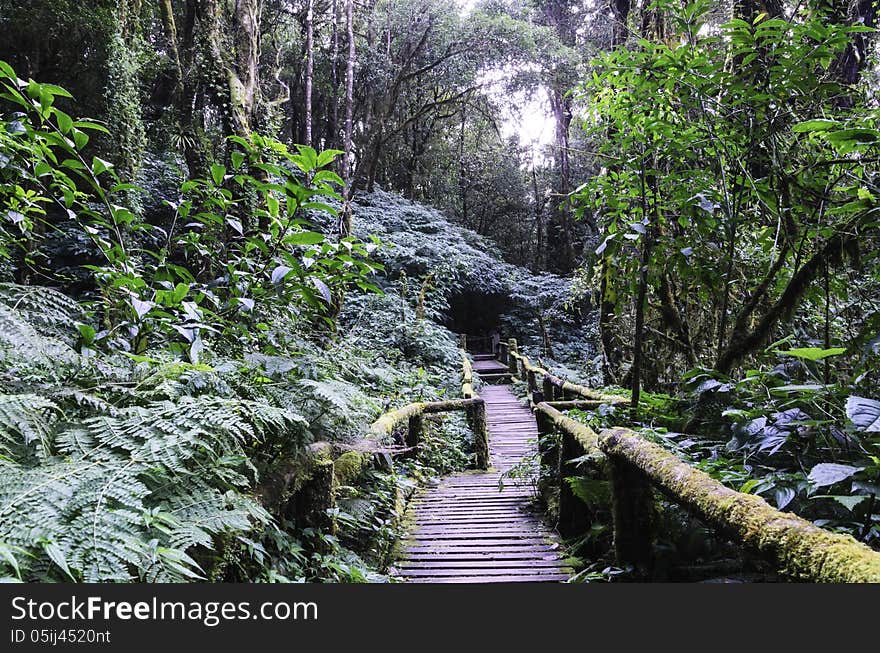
(490, 369)
(467, 531)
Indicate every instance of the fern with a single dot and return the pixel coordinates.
(19, 339)
(52, 313)
(140, 490)
(27, 424)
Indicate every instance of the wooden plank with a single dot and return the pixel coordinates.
(556, 578)
(516, 565)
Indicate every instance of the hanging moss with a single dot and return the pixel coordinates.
(800, 549)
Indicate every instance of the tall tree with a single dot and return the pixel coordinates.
(345, 225)
(310, 67)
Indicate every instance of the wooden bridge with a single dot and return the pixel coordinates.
(482, 527)
(468, 529)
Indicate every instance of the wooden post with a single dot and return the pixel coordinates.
(547, 449)
(462, 341)
(511, 360)
(502, 353)
(315, 499)
(633, 512)
(481, 434)
(574, 515)
(548, 390)
(414, 433)
(522, 364)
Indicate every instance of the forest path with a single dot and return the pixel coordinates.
(466, 530)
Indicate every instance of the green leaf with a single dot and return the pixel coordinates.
(305, 238)
(80, 138)
(815, 125)
(218, 173)
(7, 71)
(327, 156)
(323, 289)
(825, 474)
(65, 122)
(56, 555)
(811, 353)
(100, 166)
(864, 413)
(279, 273)
(87, 332)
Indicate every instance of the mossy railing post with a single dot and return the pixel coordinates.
(548, 451)
(632, 507)
(574, 515)
(547, 386)
(481, 433)
(530, 377)
(315, 499)
(414, 432)
(511, 359)
(502, 353)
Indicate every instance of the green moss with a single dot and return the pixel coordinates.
(348, 467)
(799, 548)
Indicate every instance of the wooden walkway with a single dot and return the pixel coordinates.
(466, 530)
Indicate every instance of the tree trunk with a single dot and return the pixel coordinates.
(310, 66)
(345, 224)
(333, 126)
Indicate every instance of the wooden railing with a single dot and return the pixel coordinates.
(311, 483)
(636, 468)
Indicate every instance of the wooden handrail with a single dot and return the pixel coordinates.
(312, 483)
(635, 466)
(552, 387)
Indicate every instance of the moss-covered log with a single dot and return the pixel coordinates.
(414, 432)
(315, 499)
(279, 486)
(549, 393)
(633, 510)
(467, 377)
(412, 414)
(799, 548)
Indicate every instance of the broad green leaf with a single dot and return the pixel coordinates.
(218, 173)
(305, 238)
(279, 273)
(811, 353)
(864, 413)
(825, 474)
(815, 125)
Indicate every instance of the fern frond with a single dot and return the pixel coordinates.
(52, 313)
(27, 424)
(19, 339)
